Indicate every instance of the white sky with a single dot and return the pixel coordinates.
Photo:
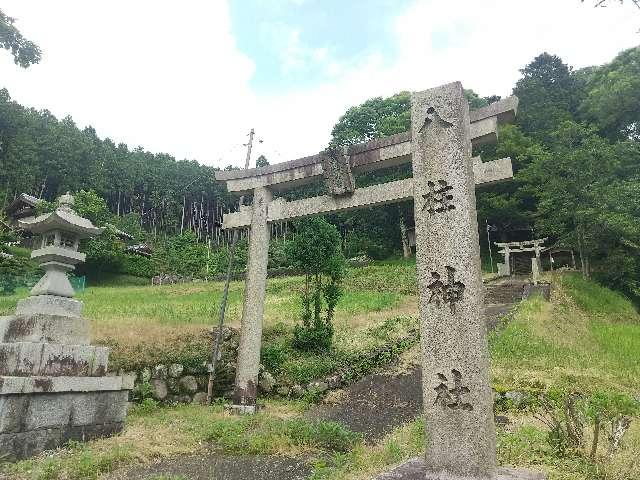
(169, 76)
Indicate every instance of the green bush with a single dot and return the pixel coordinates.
(14, 271)
(315, 250)
(317, 337)
(137, 266)
(259, 434)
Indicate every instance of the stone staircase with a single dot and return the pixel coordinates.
(505, 291)
(500, 296)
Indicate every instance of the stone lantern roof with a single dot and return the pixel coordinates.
(63, 218)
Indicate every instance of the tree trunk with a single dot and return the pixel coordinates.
(406, 248)
(596, 435)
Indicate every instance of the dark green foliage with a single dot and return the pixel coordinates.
(105, 253)
(253, 434)
(25, 52)
(316, 251)
(88, 204)
(13, 272)
(549, 95)
(568, 414)
(181, 255)
(262, 161)
(137, 266)
(613, 96)
(45, 157)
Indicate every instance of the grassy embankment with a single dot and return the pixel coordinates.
(586, 338)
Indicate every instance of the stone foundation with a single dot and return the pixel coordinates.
(53, 383)
(415, 469)
(33, 422)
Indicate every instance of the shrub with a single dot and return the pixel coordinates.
(315, 250)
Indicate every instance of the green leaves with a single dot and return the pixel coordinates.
(315, 250)
(25, 52)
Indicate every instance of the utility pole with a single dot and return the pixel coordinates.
(249, 147)
(247, 161)
(223, 305)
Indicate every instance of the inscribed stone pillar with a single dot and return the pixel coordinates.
(245, 392)
(457, 397)
(507, 260)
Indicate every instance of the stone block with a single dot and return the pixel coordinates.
(159, 389)
(49, 305)
(200, 398)
(145, 375)
(42, 328)
(47, 411)
(18, 385)
(160, 371)
(48, 359)
(189, 384)
(415, 469)
(266, 382)
(175, 370)
(17, 446)
(98, 408)
(12, 412)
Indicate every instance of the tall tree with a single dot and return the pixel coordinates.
(549, 94)
(613, 96)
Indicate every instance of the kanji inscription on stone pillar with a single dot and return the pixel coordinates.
(457, 395)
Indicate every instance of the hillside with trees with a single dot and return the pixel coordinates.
(575, 149)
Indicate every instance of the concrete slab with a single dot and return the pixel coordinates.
(415, 469)
(17, 385)
(50, 305)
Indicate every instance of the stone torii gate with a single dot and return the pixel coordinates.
(457, 395)
(507, 248)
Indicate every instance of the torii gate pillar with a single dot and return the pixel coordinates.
(246, 388)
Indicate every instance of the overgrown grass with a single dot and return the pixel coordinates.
(119, 309)
(186, 430)
(573, 341)
(597, 300)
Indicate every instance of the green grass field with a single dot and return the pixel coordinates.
(121, 312)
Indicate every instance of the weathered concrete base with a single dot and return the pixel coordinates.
(34, 422)
(414, 469)
(49, 305)
(41, 328)
(52, 359)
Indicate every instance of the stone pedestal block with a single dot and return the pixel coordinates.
(32, 423)
(415, 469)
(41, 413)
(49, 305)
(39, 359)
(41, 328)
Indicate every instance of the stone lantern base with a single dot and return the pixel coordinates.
(53, 383)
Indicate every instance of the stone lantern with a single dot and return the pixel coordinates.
(54, 385)
(59, 233)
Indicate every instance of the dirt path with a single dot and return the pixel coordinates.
(218, 467)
